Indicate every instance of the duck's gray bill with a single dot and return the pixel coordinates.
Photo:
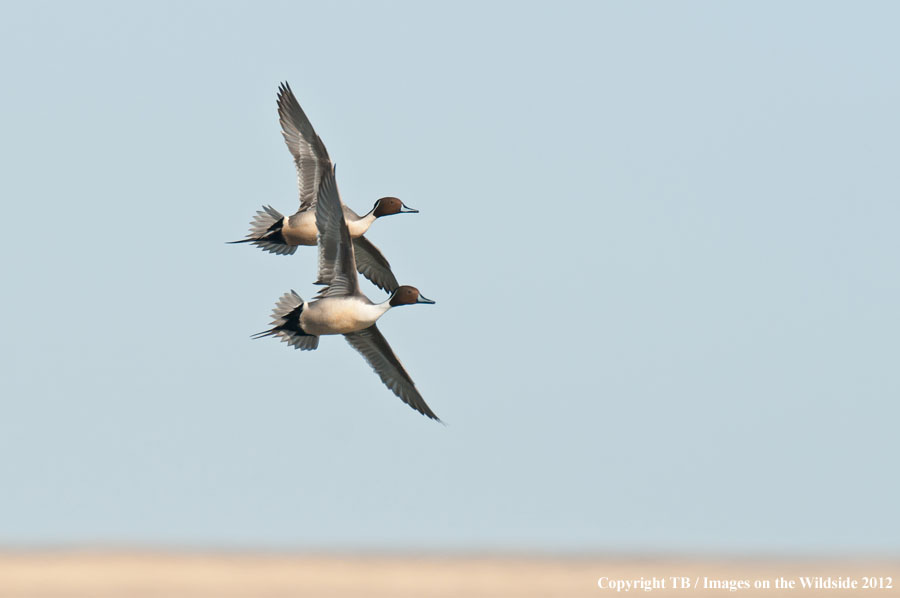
(423, 299)
(405, 209)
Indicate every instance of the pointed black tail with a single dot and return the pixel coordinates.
(287, 326)
(265, 232)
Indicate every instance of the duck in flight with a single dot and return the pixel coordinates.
(272, 232)
(341, 308)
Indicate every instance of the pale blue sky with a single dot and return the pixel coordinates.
(662, 238)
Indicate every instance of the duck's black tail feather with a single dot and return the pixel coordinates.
(265, 232)
(286, 324)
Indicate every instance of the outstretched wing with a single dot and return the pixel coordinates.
(371, 264)
(337, 265)
(309, 152)
(377, 352)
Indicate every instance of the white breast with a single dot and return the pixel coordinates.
(357, 225)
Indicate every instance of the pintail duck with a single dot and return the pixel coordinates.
(341, 308)
(272, 232)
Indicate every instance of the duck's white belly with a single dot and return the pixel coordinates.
(300, 229)
(339, 315)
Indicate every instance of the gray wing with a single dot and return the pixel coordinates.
(371, 264)
(309, 152)
(337, 265)
(375, 349)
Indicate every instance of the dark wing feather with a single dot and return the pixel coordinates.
(309, 152)
(371, 264)
(337, 265)
(375, 349)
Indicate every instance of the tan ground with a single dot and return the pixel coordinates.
(146, 575)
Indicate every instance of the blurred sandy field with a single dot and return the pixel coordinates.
(142, 575)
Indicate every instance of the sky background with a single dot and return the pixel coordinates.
(662, 238)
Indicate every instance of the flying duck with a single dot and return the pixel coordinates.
(275, 233)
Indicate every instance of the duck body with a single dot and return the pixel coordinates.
(300, 229)
(340, 315)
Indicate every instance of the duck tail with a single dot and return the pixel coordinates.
(286, 323)
(265, 232)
